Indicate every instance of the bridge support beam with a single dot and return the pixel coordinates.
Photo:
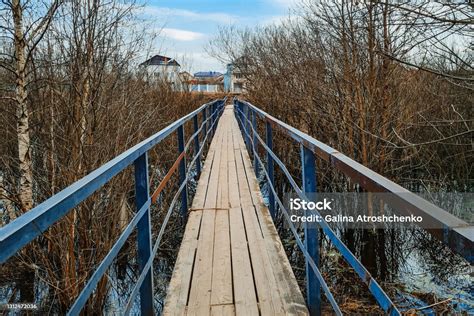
(144, 233)
(182, 174)
(311, 233)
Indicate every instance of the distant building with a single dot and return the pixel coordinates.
(234, 81)
(161, 67)
(207, 81)
(167, 69)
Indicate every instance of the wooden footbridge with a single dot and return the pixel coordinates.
(231, 260)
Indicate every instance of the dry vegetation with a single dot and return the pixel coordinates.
(391, 88)
(387, 83)
(72, 99)
(376, 80)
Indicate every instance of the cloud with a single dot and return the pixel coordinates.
(163, 12)
(281, 19)
(284, 3)
(181, 35)
(195, 61)
(274, 20)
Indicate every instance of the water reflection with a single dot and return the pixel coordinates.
(414, 267)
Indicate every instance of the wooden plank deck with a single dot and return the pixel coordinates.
(231, 260)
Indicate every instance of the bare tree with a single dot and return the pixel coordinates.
(441, 37)
(333, 72)
(26, 30)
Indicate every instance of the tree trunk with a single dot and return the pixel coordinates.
(23, 129)
(8, 205)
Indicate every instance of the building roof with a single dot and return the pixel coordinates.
(207, 80)
(211, 74)
(160, 60)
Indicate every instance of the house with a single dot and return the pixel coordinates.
(161, 67)
(207, 81)
(234, 81)
(167, 69)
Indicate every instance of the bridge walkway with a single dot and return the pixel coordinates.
(231, 260)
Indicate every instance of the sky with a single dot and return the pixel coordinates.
(186, 26)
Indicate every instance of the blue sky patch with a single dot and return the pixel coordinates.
(186, 26)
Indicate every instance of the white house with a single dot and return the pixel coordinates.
(162, 68)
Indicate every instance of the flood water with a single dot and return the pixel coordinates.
(414, 268)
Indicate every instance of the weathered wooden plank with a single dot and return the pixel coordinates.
(254, 188)
(293, 301)
(234, 195)
(223, 310)
(201, 189)
(236, 134)
(269, 301)
(244, 291)
(222, 266)
(230, 145)
(268, 293)
(244, 189)
(239, 139)
(215, 140)
(213, 184)
(178, 289)
(200, 294)
(223, 183)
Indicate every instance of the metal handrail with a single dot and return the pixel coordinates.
(307, 256)
(246, 114)
(15, 235)
(454, 232)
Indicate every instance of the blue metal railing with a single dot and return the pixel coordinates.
(21, 231)
(455, 233)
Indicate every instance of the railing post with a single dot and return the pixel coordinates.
(242, 121)
(196, 145)
(182, 174)
(247, 127)
(243, 110)
(255, 144)
(213, 120)
(218, 106)
(241, 115)
(144, 233)
(239, 109)
(270, 168)
(313, 288)
(204, 118)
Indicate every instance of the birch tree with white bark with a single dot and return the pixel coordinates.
(23, 26)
